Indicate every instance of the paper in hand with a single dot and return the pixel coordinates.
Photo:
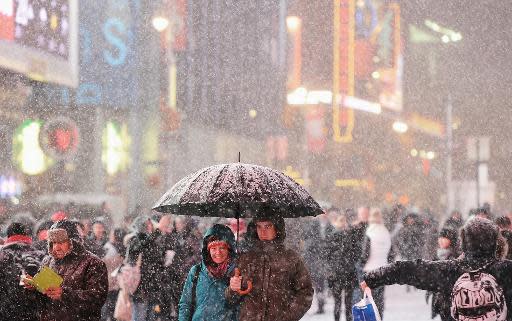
(46, 278)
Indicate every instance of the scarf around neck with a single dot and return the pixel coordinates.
(218, 271)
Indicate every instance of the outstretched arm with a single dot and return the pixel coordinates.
(426, 275)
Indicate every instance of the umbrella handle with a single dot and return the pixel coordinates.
(249, 284)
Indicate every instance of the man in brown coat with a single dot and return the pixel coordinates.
(84, 289)
(282, 288)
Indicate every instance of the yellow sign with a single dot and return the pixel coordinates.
(355, 183)
(427, 125)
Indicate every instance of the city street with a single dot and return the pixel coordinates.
(400, 306)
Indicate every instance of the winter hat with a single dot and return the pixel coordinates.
(62, 231)
(59, 216)
(17, 229)
(479, 236)
(139, 224)
(57, 235)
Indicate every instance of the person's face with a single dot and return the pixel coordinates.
(60, 249)
(219, 253)
(87, 225)
(443, 242)
(98, 230)
(165, 224)
(341, 222)
(332, 216)
(266, 231)
(180, 225)
(149, 226)
(363, 213)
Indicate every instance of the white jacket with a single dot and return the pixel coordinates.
(380, 245)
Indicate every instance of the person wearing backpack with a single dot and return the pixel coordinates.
(18, 257)
(203, 294)
(476, 283)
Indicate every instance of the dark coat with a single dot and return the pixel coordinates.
(410, 241)
(315, 244)
(440, 302)
(188, 253)
(440, 276)
(85, 287)
(282, 288)
(507, 235)
(16, 302)
(357, 238)
(152, 261)
(341, 259)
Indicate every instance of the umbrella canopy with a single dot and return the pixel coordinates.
(238, 190)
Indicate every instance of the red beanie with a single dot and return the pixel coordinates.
(59, 216)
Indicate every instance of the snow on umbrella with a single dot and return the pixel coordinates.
(238, 190)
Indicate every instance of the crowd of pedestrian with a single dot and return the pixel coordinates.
(165, 267)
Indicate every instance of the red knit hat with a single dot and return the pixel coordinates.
(59, 216)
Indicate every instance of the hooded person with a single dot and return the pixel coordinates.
(85, 284)
(210, 278)
(142, 243)
(281, 283)
(451, 278)
(18, 257)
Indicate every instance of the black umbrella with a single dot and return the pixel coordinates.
(238, 190)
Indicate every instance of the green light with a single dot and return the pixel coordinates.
(27, 154)
(116, 148)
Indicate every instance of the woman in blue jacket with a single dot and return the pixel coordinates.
(209, 303)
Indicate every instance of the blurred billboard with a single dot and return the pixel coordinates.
(39, 39)
(378, 52)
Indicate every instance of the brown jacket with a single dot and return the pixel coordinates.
(282, 288)
(84, 287)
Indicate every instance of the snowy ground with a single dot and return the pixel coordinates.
(400, 306)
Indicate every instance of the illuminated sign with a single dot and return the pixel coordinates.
(426, 125)
(116, 147)
(60, 137)
(10, 186)
(108, 56)
(378, 52)
(27, 153)
(301, 96)
(39, 39)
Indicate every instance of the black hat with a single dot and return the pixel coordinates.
(479, 236)
(16, 228)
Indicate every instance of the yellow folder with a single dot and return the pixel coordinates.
(46, 278)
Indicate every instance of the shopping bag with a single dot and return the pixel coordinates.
(129, 275)
(123, 308)
(366, 309)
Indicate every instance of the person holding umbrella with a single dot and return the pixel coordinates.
(203, 294)
(282, 288)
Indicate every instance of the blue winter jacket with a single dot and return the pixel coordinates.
(211, 304)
